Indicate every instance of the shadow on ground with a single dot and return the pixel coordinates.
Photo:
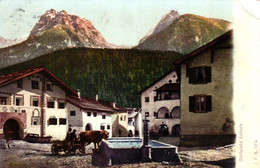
(225, 163)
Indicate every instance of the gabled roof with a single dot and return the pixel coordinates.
(15, 76)
(169, 87)
(217, 40)
(92, 104)
(147, 87)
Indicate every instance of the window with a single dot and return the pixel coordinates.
(146, 114)
(50, 103)
(62, 121)
(200, 75)
(200, 103)
(48, 86)
(20, 84)
(89, 113)
(35, 120)
(124, 118)
(108, 127)
(95, 114)
(102, 127)
(18, 101)
(53, 121)
(146, 99)
(103, 116)
(72, 113)
(155, 115)
(61, 104)
(35, 101)
(3, 100)
(35, 84)
(121, 118)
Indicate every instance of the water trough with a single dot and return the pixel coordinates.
(123, 150)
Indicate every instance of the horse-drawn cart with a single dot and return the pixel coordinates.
(66, 147)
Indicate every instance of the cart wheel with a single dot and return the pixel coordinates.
(54, 149)
(82, 149)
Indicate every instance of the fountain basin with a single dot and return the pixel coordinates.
(129, 150)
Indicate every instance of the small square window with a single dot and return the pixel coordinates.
(61, 104)
(35, 84)
(49, 86)
(146, 99)
(103, 116)
(102, 127)
(35, 103)
(20, 84)
(72, 113)
(53, 121)
(108, 127)
(146, 114)
(62, 121)
(50, 103)
(95, 114)
(89, 113)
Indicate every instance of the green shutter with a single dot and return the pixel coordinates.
(208, 74)
(208, 103)
(191, 103)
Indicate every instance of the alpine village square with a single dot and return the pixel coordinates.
(83, 102)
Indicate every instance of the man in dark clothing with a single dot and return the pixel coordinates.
(73, 137)
(68, 136)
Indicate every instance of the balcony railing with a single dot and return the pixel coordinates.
(166, 98)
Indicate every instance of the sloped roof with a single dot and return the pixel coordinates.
(92, 104)
(169, 87)
(15, 76)
(223, 37)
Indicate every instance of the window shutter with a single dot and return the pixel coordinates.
(192, 75)
(191, 103)
(208, 103)
(208, 74)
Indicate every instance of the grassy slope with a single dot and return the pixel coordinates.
(180, 35)
(116, 75)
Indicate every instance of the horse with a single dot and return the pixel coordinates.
(94, 136)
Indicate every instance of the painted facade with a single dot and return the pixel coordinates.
(206, 94)
(35, 101)
(25, 101)
(161, 105)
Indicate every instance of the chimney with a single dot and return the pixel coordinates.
(96, 97)
(114, 104)
(78, 93)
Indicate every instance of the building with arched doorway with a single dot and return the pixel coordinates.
(33, 101)
(36, 101)
(161, 105)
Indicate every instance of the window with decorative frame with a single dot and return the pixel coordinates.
(49, 86)
(35, 101)
(200, 103)
(50, 102)
(61, 104)
(200, 75)
(52, 121)
(35, 120)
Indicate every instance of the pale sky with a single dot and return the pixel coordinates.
(121, 22)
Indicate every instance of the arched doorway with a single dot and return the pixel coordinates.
(11, 130)
(176, 129)
(163, 130)
(88, 127)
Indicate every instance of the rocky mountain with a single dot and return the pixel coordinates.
(183, 33)
(165, 21)
(54, 31)
(8, 42)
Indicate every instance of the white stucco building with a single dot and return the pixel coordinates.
(161, 105)
(36, 101)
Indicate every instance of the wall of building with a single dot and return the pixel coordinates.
(220, 88)
(27, 94)
(154, 106)
(119, 124)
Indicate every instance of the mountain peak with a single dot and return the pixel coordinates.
(83, 29)
(165, 21)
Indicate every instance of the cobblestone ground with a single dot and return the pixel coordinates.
(32, 155)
